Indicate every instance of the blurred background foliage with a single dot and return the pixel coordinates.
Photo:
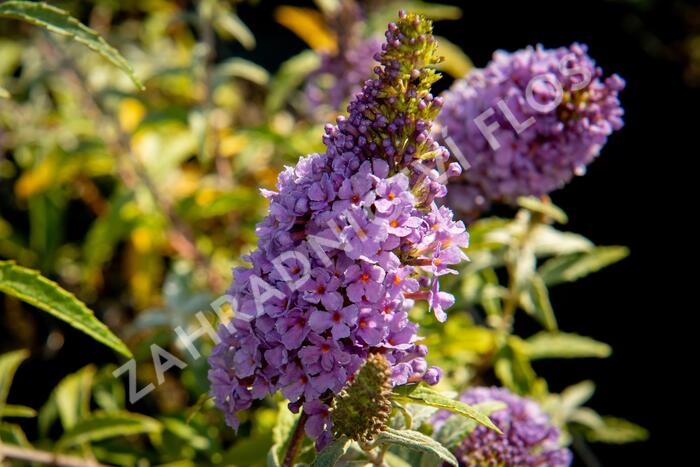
(140, 202)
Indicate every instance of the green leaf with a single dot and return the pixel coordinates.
(70, 400)
(548, 209)
(13, 434)
(19, 411)
(101, 425)
(456, 62)
(60, 22)
(535, 301)
(290, 75)
(8, 366)
(565, 345)
(229, 25)
(331, 453)
(416, 441)
(31, 287)
(548, 241)
(419, 394)
(569, 268)
(614, 430)
(4, 94)
(240, 68)
(281, 434)
(456, 427)
(513, 366)
(186, 433)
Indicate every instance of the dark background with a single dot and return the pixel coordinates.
(631, 195)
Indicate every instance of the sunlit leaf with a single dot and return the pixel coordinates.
(535, 301)
(547, 209)
(237, 67)
(456, 62)
(569, 268)
(4, 93)
(8, 366)
(456, 427)
(617, 431)
(229, 25)
(31, 287)
(100, 425)
(18, 411)
(420, 394)
(565, 345)
(309, 25)
(60, 22)
(13, 434)
(416, 441)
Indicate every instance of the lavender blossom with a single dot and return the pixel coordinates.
(529, 438)
(343, 252)
(544, 116)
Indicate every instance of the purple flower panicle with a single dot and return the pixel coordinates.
(527, 123)
(352, 238)
(528, 439)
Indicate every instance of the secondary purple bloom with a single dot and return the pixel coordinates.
(529, 438)
(550, 110)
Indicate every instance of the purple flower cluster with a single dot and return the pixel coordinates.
(528, 439)
(352, 239)
(528, 122)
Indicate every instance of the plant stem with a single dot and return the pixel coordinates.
(295, 442)
(44, 457)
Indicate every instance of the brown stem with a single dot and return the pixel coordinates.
(295, 442)
(44, 457)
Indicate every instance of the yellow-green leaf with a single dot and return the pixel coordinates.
(29, 286)
(564, 345)
(419, 394)
(416, 441)
(456, 62)
(103, 425)
(548, 209)
(569, 268)
(60, 22)
(8, 366)
(4, 94)
(19, 411)
(309, 25)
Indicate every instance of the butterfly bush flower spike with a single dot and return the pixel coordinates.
(527, 123)
(529, 438)
(352, 240)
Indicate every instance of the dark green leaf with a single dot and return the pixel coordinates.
(60, 22)
(31, 287)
